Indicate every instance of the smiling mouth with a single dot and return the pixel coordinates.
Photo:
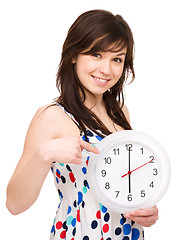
(102, 80)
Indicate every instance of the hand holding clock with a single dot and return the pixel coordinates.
(144, 217)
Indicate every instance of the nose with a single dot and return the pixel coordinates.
(105, 67)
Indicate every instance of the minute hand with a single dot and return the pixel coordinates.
(129, 172)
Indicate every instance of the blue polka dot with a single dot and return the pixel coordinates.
(53, 229)
(135, 234)
(127, 229)
(80, 197)
(58, 171)
(69, 209)
(98, 138)
(102, 208)
(123, 220)
(84, 170)
(57, 180)
(73, 223)
(85, 139)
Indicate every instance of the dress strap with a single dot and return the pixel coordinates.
(71, 116)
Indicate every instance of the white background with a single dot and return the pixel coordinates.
(160, 100)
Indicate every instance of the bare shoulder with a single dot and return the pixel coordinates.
(51, 120)
(126, 112)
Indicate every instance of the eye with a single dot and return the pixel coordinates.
(96, 55)
(118, 60)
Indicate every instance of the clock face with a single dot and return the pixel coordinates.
(128, 173)
(131, 172)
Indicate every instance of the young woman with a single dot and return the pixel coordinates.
(97, 58)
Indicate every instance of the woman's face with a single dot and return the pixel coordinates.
(100, 71)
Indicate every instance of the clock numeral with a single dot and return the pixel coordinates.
(129, 197)
(116, 151)
(107, 185)
(117, 193)
(142, 150)
(108, 160)
(143, 194)
(103, 172)
(155, 171)
(151, 185)
(152, 158)
(129, 147)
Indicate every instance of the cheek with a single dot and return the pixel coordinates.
(118, 72)
(85, 69)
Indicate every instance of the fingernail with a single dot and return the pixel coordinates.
(97, 150)
(127, 215)
(132, 213)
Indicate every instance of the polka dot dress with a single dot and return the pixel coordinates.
(80, 216)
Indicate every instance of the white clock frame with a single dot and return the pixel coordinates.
(132, 137)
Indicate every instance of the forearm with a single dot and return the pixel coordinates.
(25, 186)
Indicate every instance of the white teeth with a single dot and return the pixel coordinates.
(100, 80)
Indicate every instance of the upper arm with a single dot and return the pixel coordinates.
(48, 123)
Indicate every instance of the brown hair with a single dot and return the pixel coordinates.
(98, 30)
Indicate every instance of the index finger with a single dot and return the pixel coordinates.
(89, 147)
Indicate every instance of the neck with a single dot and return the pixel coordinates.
(93, 102)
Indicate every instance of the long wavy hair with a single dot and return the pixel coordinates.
(95, 31)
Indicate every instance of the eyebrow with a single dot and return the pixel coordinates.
(120, 54)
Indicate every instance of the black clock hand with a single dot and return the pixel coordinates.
(129, 170)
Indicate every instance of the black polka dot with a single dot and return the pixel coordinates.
(63, 179)
(65, 226)
(83, 204)
(118, 231)
(68, 168)
(106, 217)
(74, 231)
(89, 133)
(85, 238)
(75, 203)
(126, 238)
(85, 183)
(94, 224)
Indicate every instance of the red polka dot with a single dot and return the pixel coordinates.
(63, 234)
(78, 216)
(105, 228)
(59, 225)
(72, 178)
(57, 174)
(98, 214)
